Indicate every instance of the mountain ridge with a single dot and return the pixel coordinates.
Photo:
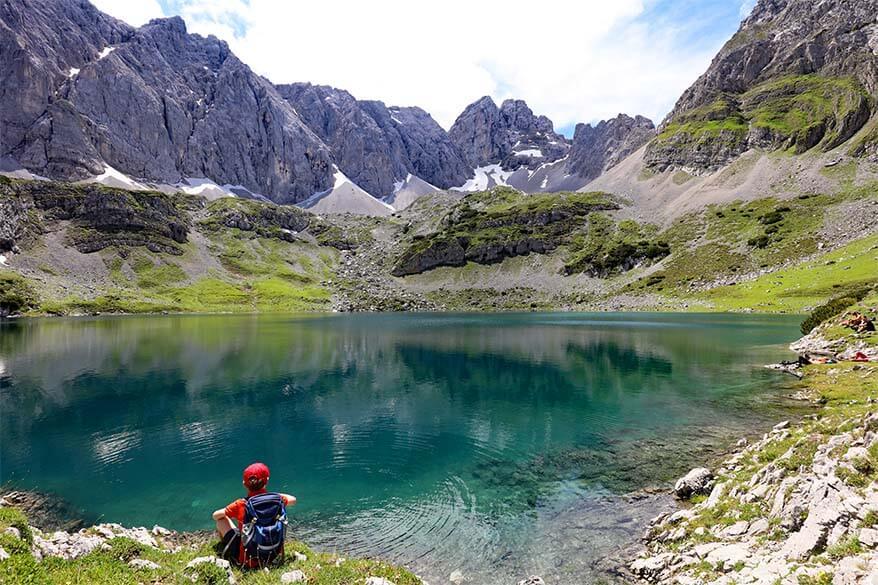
(158, 106)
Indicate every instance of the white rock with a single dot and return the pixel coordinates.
(715, 495)
(143, 564)
(3, 554)
(849, 571)
(221, 563)
(869, 537)
(697, 481)
(728, 556)
(532, 580)
(760, 526)
(651, 566)
(13, 531)
(160, 531)
(297, 576)
(702, 550)
(456, 577)
(782, 425)
(299, 557)
(737, 529)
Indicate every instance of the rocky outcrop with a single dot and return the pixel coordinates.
(475, 232)
(375, 146)
(510, 135)
(155, 103)
(783, 521)
(696, 482)
(103, 217)
(797, 75)
(601, 147)
(265, 219)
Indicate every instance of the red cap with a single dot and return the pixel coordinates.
(256, 470)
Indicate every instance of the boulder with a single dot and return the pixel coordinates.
(737, 529)
(297, 576)
(651, 567)
(532, 580)
(3, 554)
(456, 577)
(697, 481)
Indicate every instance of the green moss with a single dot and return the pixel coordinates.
(824, 578)
(609, 248)
(844, 548)
(108, 567)
(486, 227)
(805, 109)
(797, 112)
(12, 517)
(17, 295)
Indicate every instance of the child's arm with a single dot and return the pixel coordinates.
(290, 500)
(219, 514)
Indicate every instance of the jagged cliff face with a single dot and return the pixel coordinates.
(156, 103)
(799, 74)
(600, 147)
(40, 42)
(375, 146)
(510, 135)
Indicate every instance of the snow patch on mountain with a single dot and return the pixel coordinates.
(485, 177)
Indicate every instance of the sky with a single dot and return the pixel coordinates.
(574, 61)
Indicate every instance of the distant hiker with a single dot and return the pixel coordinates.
(252, 529)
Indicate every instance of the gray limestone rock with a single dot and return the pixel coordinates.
(697, 481)
(374, 145)
(155, 103)
(784, 49)
(600, 147)
(510, 135)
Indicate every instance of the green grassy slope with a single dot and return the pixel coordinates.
(110, 567)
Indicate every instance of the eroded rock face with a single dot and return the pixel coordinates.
(510, 135)
(104, 217)
(817, 59)
(40, 42)
(374, 145)
(155, 103)
(600, 147)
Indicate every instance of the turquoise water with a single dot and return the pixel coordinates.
(499, 445)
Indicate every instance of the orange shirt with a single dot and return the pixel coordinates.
(236, 509)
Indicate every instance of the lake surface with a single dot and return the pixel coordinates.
(501, 445)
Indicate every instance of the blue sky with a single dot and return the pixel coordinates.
(572, 61)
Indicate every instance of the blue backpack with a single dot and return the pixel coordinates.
(264, 528)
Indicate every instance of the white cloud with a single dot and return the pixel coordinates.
(134, 12)
(573, 61)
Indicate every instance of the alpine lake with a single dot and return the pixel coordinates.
(497, 445)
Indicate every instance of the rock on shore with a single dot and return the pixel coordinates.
(798, 506)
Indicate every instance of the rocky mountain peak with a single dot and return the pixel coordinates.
(604, 145)
(510, 135)
(817, 58)
(376, 146)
